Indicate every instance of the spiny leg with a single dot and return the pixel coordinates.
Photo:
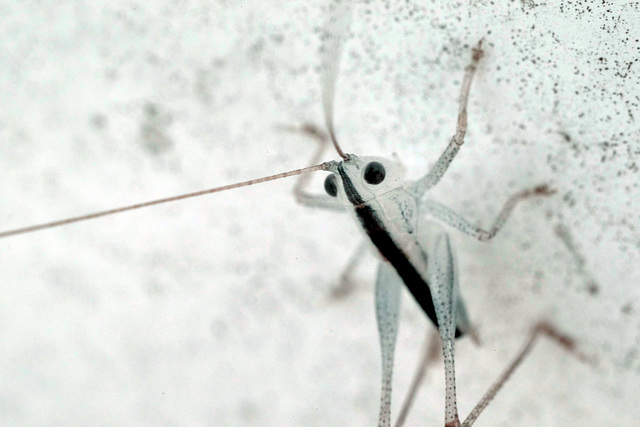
(445, 159)
(442, 276)
(299, 190)
(456, 221)
(542, 328)
(430, 354)
(388, 285)
(463, 323)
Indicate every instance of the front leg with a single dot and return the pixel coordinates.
(456, 221)
(441, 166)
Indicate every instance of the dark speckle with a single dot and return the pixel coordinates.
(593, 288)
(565, 135)
(98, 121)
(153, 130)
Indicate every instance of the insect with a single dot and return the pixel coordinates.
(417, 254)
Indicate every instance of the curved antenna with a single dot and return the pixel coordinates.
(32, 228)
(333, 37)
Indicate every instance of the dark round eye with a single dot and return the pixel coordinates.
(330, 185)
(374, 173)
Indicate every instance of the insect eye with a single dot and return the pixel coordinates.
(374, 173)
(330, 185)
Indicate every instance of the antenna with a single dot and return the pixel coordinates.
(336, 27)
(30, 229)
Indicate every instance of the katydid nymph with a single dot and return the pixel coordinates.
(404, 229)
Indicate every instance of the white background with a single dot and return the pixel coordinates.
(218, 311)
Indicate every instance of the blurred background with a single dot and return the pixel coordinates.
(219, 311)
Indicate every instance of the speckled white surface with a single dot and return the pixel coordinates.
(218, 311)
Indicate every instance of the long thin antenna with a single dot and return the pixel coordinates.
(333, 39)
(335, 141)
(32, 228)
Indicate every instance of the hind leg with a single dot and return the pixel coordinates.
(388, 285)
(540, 329)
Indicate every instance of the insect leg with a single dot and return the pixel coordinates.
(345, 286)
(445, 159)
(299, 190)
(443, 280)
(542, 328)
(430, 354)
(456, 221)
(388, 285)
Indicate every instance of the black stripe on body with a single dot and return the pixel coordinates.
(381, 238)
